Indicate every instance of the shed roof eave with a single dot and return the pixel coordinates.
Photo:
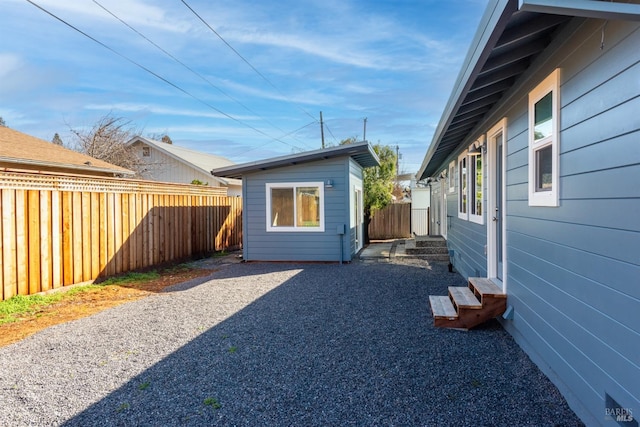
(361, 152)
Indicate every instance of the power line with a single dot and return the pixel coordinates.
(283, 136)
(331, 133)
(185, 65)
(243, 58)
(156, 74)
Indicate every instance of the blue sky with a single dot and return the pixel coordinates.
(392, 62)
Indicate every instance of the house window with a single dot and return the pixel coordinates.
(452, 177)
(544, 142)
(462, 186)
(476, 181)
(471, 183)
(297, 206)
(145, 152)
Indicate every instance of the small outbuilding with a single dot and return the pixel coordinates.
(306, 206)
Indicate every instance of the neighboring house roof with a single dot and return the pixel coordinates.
(361, 152)
(196, 159)
(21, 151)
(511, 34)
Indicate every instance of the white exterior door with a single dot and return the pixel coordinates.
(436, 211)
(496, 215)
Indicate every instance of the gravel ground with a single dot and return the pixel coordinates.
(279, 344)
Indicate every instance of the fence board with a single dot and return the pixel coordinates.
(125, 233)
(60, 230)
(22, 250)
(86, 235)
(9, 243)
(67, 239)
(46, 265)
(33, 238)
(103, 234)
(56, 240)
(95, 233)
(77, 236)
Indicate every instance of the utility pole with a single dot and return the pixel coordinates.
(322, 130)
(397, 161)
(364, 133)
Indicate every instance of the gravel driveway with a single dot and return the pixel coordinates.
(279, 344)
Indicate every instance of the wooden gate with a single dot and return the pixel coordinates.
(392, 222)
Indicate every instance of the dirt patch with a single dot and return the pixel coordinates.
(90, 302)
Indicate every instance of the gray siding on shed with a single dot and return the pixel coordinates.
(260, 245)
(573, 271)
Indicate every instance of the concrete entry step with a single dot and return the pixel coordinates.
(430, 241)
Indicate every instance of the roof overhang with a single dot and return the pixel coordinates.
(511, 34)
(28, 164)
(361, 152)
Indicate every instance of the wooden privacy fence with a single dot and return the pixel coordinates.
(61, 230)
(392, 222)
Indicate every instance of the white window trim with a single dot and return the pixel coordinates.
(294, 185)
(463, 215)
(471, 196)
(468, 216)
(545, 198)
(452, 176)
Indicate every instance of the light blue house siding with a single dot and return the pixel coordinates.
(466, 241)
(573, 271)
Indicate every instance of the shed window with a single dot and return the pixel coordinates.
(295, 206)
(544, 142)
(146, 152)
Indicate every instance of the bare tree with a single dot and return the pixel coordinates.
(107, 141)
(57, 140)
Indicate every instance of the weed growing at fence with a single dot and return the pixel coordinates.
(22, 316)
(131, 277)
(14, 308)
(20, 305)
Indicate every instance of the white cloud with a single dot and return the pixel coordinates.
(134, 12)
(161, 110)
